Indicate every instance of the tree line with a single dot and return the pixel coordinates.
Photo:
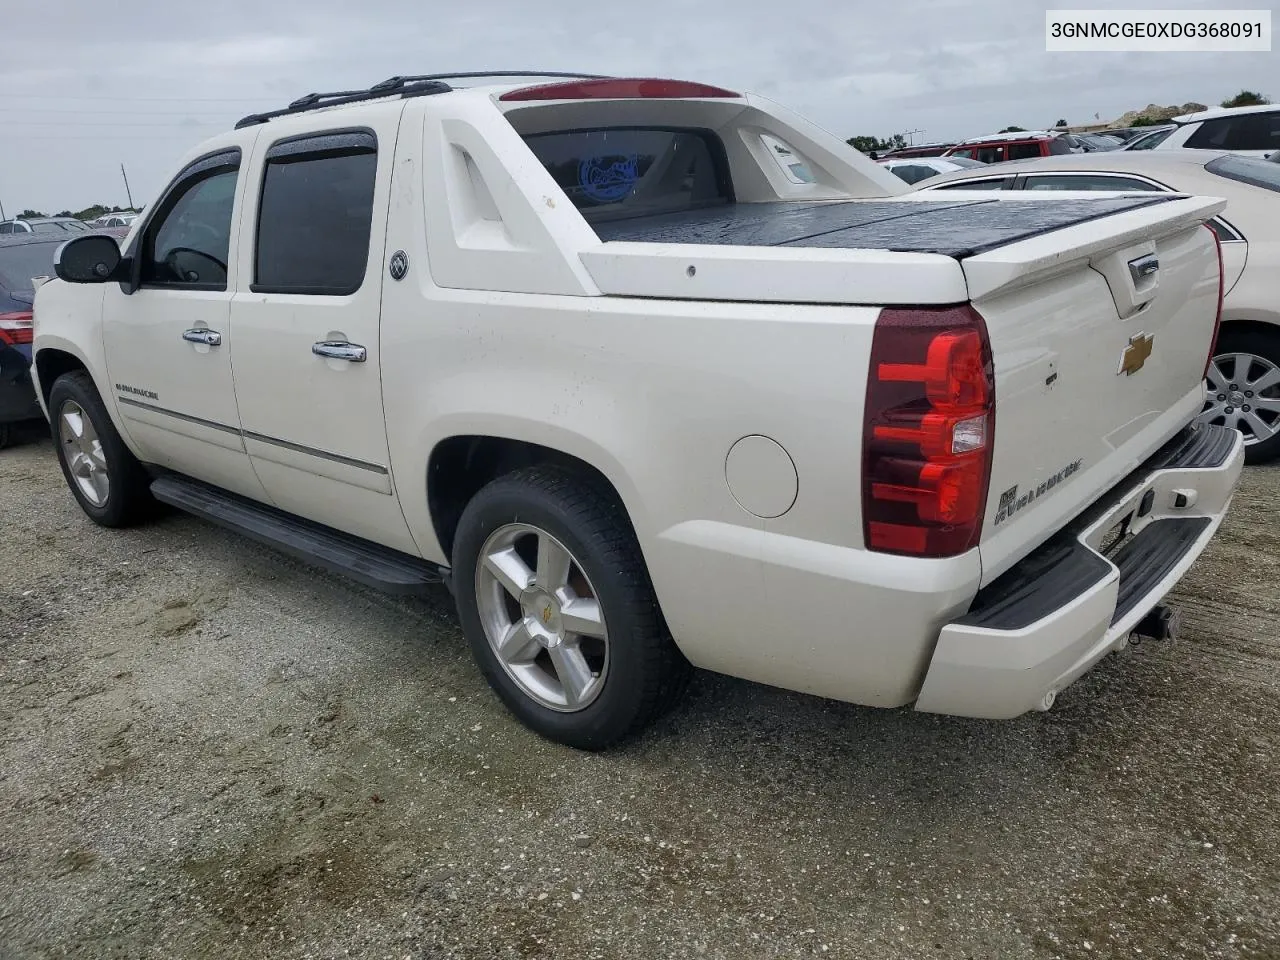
(88, 213)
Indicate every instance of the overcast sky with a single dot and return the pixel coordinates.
(86, 86)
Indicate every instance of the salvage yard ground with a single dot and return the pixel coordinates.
(210, 751)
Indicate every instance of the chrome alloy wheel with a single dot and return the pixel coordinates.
(82, 449)
(542, 617)
(1244, 394)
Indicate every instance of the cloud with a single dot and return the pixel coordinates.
(81, 94)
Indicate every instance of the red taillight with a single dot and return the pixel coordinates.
(1222, 292)
(15, 328)
(928, 431)
(618, 88)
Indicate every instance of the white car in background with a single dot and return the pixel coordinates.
(1247, 130)
(1244, 377)
(916, 169)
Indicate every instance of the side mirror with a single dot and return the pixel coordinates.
(92, 259)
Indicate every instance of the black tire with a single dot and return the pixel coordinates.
(1264, 343)
(6, 435)
(128, 499)
(646, 671)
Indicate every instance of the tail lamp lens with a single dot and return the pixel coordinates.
(15, 328)
(928, 431)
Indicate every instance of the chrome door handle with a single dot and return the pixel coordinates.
(340, 350)
(210, 338)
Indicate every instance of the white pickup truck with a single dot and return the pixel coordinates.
(655, 374)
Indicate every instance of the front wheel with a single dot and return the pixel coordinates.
(105, 477)
(1244, 390)
(556, 602)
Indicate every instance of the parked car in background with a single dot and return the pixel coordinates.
(22, 258)
(1246, 130)
(917, 169)
(1097, 142)
(1124, 134)
(1150, 139)
(115, 220)
(684, 405)
(54, 225)
(1244, 377)
(999, 147)
(918, 150)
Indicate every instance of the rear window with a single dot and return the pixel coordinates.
(1024, 151)
(615, 172)
(1251, 170)
(1246, 131)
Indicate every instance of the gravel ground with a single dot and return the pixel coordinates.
(207, 750)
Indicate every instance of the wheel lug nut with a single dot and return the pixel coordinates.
(1229, 410)
(1248, 393)
(1245, 408)
(1233, 387)
(1222, 396)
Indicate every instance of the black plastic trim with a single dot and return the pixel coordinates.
(358, 139)
(1063, 568)
(1149, 557)
(314, 101)
(361, 560)
(1201, 446)
(1046, 580)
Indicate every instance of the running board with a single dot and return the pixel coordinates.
(363, 561)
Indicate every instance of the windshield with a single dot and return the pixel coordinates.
(1150, 140)
(22, 261)
(1251, 170)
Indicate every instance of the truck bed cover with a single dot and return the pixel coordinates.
(959, 229)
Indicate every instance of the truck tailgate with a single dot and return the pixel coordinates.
(1099, 337)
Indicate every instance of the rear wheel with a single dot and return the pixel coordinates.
(557, 605)
(1244, 389)
(104, 476)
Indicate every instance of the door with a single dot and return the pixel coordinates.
(306, 315)
(168, 343)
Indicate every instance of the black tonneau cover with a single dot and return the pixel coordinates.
(956, 229)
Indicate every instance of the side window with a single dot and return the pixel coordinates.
(1024, 151)
(991, 154)
(966, 153)
(315, 215)
(186, 244)
(1085, 181)
(6, 228)
(994, 183)
(914, 172)
(1248, 131)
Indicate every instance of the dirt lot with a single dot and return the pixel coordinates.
(209, 751)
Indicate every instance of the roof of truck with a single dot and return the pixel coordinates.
(545, 86)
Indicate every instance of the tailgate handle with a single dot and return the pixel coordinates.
(1143, 267)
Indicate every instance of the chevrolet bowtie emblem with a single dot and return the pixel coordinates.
(1135, 354)
(546, 614)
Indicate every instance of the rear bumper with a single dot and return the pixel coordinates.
(1054, 615)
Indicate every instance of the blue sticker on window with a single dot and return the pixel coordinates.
(606, 179)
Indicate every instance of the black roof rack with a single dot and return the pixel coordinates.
(416, 86)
